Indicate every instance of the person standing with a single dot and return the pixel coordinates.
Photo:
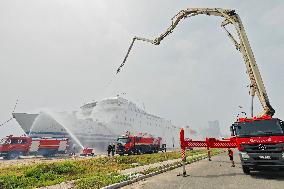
(231, 156)
(109, 149)
(113, 149)
(73, 150)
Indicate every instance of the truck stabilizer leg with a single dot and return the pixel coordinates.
(209, 154)
(183, 157)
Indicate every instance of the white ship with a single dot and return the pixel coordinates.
(97, 124)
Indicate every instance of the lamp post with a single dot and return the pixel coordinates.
(187, 127)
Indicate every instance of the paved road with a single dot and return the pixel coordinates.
(217, 174)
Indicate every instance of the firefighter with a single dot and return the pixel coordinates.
(109, 149)
(231, 156)
(73, 150)
(113, 149)
(164, 147)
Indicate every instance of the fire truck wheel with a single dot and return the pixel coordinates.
(13, 155)
(246, 170)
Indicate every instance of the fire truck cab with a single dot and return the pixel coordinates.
(13, 147)
(260, 142)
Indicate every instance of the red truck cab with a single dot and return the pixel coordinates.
(260, 142)
(12, 147)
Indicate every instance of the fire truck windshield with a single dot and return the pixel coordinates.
(123, 140)
(259, 128)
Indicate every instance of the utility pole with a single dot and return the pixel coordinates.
(187, 127)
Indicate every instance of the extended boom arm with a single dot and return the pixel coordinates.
(243, 46)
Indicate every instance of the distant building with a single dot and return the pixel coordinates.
(212, 130)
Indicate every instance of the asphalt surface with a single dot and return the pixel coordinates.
(215, 174)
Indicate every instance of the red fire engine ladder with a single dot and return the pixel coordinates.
(208, 143)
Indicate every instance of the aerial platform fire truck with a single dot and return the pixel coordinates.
(139, 144)
(11, 147)
(260, 142)
(259, 139)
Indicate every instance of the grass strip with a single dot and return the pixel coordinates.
(88, 173)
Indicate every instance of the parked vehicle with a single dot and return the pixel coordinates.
(139, 144)
(260, 142)
(87, 152)
(11, 147)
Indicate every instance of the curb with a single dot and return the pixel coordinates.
(128, 182)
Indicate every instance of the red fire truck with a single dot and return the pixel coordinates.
(260, 142)
(87, 152)
(11, 147)
(260, 139)
(139, 144)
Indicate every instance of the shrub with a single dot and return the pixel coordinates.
(15, 182)
(98, 181)
(54, 168)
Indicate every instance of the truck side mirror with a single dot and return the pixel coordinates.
(8, 141)
(233, 130)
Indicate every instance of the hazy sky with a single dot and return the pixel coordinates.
(61, 54)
